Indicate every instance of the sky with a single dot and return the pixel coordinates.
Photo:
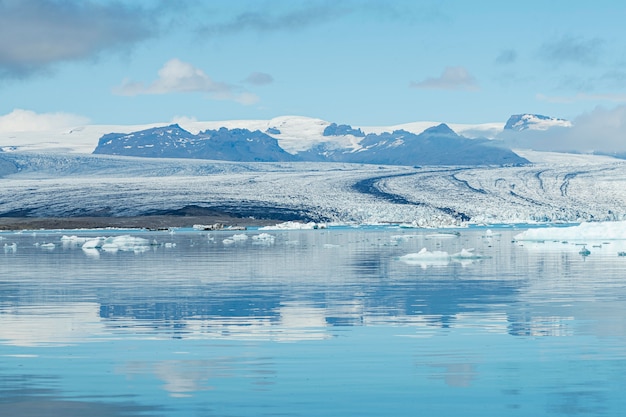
(359, 62)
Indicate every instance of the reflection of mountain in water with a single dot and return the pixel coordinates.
(301, 280)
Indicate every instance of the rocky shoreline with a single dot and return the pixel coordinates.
(154, 222)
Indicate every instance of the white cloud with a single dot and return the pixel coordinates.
(452, 78)
(601, 130)
(20, 120)
(177, 76)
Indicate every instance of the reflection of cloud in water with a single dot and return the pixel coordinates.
(456, 374)
(182, 378)
(185, 378)
(297, 321)
(65, 323)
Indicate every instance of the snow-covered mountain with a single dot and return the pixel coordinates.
(438, 145)
(174, 142)
(520, 122)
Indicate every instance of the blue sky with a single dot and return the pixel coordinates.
(360, 62)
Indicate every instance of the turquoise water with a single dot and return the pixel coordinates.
(335, 322)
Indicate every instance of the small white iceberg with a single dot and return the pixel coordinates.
(294, 226)
(125, 243)
(426, 258)
(235, 238)
(584, 231)
(467, 254)
(263, 239)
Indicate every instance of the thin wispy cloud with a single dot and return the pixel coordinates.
(507, 56)
(259, 78)
(452, 78)
(295, 16)
(36, 34)
(274, 19)
(177, 76)
(608, 97)
(572, 50)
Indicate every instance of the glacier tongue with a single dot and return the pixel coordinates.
(584, 188)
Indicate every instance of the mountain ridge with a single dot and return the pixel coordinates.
(437, 145)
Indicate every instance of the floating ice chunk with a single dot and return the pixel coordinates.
(235, 238)
(127, 243)
(490, 234)
(467, 254)
(404, 237)
(426, 258)
(583, 231)
(48, 246)
(73, 240)
(91, 252)
(93, 243)
(443, 235)
(294, 226)
(426, 254)
(10, 248)
(109, 247)
(263, 239)
(170, 245)
(115, 243)
(331, 246)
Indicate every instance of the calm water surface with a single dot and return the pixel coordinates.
(310, 323)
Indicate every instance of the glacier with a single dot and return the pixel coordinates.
(554, 188)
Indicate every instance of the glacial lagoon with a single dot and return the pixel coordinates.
(366, 321)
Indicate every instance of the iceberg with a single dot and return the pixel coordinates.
(467, 254)
(263, 239)
(584, 231)
(425, 258)
(113, 244)
(293, 226)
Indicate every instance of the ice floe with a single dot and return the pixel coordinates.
(235, 238)
(584, 231)
(263, 239)
(426, 258)
(126, 243)
(294, 226)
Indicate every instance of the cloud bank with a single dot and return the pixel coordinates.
(601, 131)
(177, 76)
(36, 34)
(452, 78)
(20, 120)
